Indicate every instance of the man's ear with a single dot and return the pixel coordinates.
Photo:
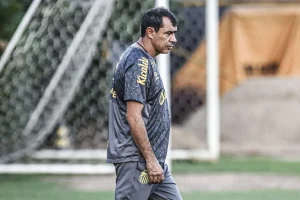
(150, 32)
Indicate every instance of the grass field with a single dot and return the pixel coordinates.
(26, 187)
(239, 165)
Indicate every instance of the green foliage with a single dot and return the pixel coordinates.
(11, 13)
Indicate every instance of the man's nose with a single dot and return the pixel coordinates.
(173, 38)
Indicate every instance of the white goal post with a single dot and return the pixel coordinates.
(212, 107)
(212, 98)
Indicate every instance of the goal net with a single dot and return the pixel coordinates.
(55, 78)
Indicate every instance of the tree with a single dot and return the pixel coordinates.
(11, 13)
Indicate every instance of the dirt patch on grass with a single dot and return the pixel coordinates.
(193, 182)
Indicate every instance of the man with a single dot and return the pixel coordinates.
(139, 121)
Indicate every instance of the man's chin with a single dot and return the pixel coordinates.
(166, 51)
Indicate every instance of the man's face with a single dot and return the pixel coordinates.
(164, 39)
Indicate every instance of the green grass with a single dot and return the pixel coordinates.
(248, 195)
(230, 164)
(32, 187)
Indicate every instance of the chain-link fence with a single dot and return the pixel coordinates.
(44, 72)
(32, 118)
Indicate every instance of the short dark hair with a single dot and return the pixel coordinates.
(154, 18)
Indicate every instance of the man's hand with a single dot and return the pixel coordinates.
(155, 172)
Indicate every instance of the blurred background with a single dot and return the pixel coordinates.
(57, 59)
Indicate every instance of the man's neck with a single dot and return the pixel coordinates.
(147, 46)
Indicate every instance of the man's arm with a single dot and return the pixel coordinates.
(140, 137)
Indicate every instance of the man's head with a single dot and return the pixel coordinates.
(159, 25)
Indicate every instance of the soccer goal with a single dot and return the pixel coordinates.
(55, 77)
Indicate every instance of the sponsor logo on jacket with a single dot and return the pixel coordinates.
(142, 78)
